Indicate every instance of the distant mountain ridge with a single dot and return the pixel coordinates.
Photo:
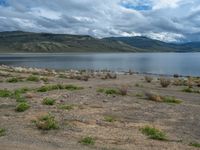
(17, 41)
(157, 46)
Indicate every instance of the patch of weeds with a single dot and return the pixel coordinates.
(18, 94)
(190, 90)
(13, 80)
(44, 79)
(22, 90)
(35, 73)
(46, 122)
(2, 132)
(72, 87)
(58, 87)
(165, 99)
(87, 141)
(66, 106)
(23, 106)
(139, 95)
(110, 119)
(139, 85)
(109, 91)
(5, 93)
(33, 78)
(195, 144)
(153, 133)
(48, 101)
(168, 99)
(19, 98)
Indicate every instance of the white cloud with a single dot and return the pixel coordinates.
(46, 13)
(159, 4)
(168, 20)
(165, 36)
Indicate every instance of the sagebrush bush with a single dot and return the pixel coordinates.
(23, 106)
(46, 122)
(2, 132)
(58, 87)
(153, 96)
(33, 78)
(153, 133)
(109, 118)
(165, 82)
(48, 101)
(123, 90)
(66, 106)
(148, 79)
(13, 80)
(5, 93)
(87, 141)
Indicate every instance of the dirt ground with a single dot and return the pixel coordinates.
(180, 122)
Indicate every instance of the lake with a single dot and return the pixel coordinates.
(158, 63)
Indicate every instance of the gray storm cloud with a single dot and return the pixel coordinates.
(167, 20)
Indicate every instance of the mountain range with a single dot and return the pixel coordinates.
(18, 41)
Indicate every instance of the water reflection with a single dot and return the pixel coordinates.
(161, 63)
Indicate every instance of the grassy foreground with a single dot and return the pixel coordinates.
(75, 110)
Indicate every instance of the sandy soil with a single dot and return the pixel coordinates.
(181, 122)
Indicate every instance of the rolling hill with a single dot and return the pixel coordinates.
(17, 41)
(157, 46)
(45, 42)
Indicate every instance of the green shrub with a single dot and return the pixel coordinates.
(139, 95)
(72, 87)
(46, 122)
(108, 91)
(66, 106)
(168, 99)
(45, 79)
(190, 90)
(22, 90)
(33, 78)
(153, 133)
(58, 87)
(2, 132)
(48, 101)
(23, 106)
(5, 93)
(109, 119)
(87, 141)
(195, 144)
(139, 85)
(18, 94)
(13, 80)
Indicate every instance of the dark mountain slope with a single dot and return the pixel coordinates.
(157, 46)
(44, 42)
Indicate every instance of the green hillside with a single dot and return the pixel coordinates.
(16, 41)
(44, 42)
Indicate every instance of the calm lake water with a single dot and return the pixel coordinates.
(158, 63)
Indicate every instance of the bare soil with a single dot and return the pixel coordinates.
(180, 122)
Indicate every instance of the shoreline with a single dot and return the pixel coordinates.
(128, 72)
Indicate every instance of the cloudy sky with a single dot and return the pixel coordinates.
(167, 20)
